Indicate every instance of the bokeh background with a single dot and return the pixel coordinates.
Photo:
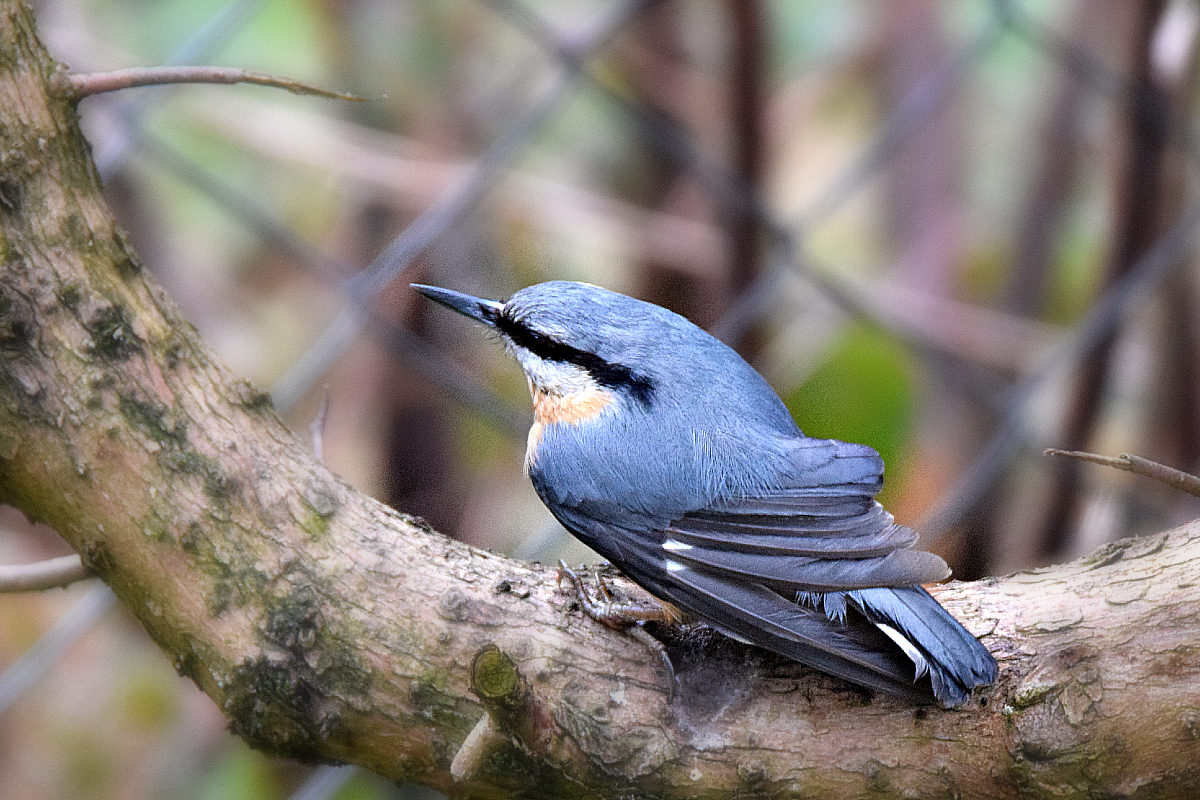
(957, 231)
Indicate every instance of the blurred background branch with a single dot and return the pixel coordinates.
(49, 574)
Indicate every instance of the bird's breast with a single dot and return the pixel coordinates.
(555, 408)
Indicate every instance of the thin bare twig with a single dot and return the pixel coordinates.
(1138, 466)
(49, 574)
(91, 83)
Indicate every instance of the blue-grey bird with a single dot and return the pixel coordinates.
(665, 452)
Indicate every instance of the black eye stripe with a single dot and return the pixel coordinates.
(605, 373)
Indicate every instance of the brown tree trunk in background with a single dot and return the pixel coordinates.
(1055, 164)
(1175, 412)
(666, 85)
(924, 178)
(1140, 217)
(924, 198)
(1060, 143)
(327, 626)
(746, 88)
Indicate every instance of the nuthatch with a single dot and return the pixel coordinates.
(666, 453)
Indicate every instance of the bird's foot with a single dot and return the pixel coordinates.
(610, 612)
(627, 615)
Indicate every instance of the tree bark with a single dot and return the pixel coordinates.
(329, 627)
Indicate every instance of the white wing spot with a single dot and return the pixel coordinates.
(674, 566)
(910, 650)
(675, 546)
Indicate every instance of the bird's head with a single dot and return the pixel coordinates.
(576, 341)
(590, 353)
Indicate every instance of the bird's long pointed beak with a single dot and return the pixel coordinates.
(485, 311)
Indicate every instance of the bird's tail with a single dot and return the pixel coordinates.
(887, 639)
(925, 632)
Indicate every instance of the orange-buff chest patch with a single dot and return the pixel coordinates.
(559, 409)
(556, 409)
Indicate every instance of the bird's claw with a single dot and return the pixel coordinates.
(624, 615)
(606, 609)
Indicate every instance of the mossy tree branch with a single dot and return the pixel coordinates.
(329, 627)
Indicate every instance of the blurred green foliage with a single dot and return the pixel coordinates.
(145, 700)
(241, 774)
(87, 768)
(863, 392)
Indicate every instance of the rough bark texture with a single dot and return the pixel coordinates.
(328, 626)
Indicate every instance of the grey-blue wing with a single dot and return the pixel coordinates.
(802, 552)
(817, 571)
(821, 532)
(753, 613)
